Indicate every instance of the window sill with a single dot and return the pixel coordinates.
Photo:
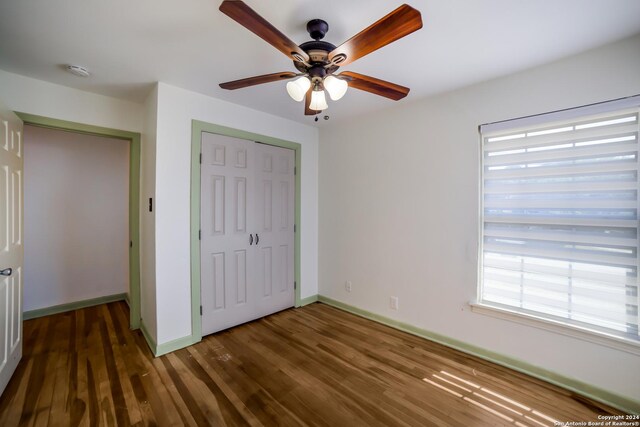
(573, 331)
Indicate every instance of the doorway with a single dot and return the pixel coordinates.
(133, 197)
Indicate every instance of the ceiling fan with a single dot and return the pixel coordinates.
(317, 61)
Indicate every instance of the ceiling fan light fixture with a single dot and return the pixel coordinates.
(318, 100)
(298, 88)
(335, 86)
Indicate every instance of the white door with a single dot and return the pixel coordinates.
(275, 234)
(242, 214)
(226, 197)
(11, 248)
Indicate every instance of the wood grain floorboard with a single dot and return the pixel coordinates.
(315, 366)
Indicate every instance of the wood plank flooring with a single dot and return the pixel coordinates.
(311, 366)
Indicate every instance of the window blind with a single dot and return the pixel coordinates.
(560, 220)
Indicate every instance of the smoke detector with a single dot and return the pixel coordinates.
(78, 70)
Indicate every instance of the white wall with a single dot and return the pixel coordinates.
(176, 109)
(147, 219)
(399, 210)
(76, 216)
(27, 95)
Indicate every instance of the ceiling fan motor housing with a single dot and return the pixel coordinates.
(317, 50)
(317, 28)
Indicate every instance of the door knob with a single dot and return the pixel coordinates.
(6, 272)
(257, 238)
(250, 239)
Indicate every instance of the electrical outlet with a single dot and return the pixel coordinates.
(393, 303)
(347, 285)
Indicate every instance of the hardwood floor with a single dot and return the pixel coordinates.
(311, 366)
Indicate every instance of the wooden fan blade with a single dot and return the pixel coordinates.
(399, 23)
(307, 103)
(248, 18)
(257, 80)
(375, 86)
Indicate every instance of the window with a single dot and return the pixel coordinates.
(560, 217)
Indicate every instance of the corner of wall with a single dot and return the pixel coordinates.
(147, 220)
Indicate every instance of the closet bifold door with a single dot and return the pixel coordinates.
(275, 216)
(246, 219)
(226, 255)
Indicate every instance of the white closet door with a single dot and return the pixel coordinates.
(11, 247)
(227, 194)
(247, 216)
(275, 220)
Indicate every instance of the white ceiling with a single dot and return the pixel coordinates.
(129, 44)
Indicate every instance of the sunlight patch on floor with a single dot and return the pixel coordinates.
(495, 403)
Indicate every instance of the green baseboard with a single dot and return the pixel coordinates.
(167, 347)
(147, 336)
(47, 311)
(174, 345)
(619, 402)
(308, 300)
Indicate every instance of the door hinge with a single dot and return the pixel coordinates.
(294, 228)
(200, 158)
(295, 170)
(130, 243)
(200, 310)
(199, 234)
(295, 285)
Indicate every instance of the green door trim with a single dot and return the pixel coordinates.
(134, 194)
(197, 127)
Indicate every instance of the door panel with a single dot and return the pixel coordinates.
(11, 248)
(219, 204)
(284, 205)
(226, 203)
(266, 264)
(241, 277)
(240, 205)
(247, 205)
(16, 307)
(16, 207)
(5, 206)
(4, 306)
(283, 280)
(276, 231)
(267, 204)
(217, 281)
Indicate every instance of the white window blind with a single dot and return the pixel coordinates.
(560, 219)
